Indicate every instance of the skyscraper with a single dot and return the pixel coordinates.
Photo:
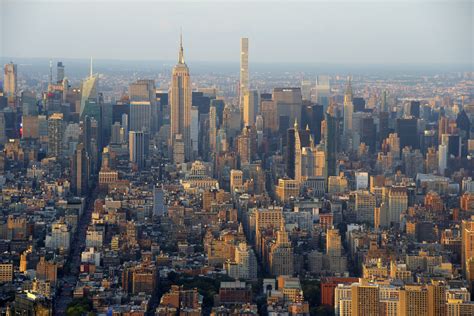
(10, 84)
(59, 71)
(250, 107)
(89, 90)
(467, 252)
(323, 90)
(244, 69)
(348, 108)
(331, 141)
(80, 170)
(140, 116)
(180, 101)
(407, 130)
(288, 102)
(144, 90)
(138, 145)
(55, 134)
(212, 128)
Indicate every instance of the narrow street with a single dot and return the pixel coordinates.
(69, 280)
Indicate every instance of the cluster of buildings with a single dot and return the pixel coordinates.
(187, 200)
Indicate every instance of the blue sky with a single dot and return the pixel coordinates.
(418, 31)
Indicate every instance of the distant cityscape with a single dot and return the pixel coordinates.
(158, 188)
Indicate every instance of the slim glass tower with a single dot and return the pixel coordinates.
(244, 69)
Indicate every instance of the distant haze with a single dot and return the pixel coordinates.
(321, 32)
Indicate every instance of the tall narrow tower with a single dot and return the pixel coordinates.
(244, 69)
(331, 141)
(10, 84)
(348, 108)
(180, 101)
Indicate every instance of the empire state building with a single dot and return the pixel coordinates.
(180, 101)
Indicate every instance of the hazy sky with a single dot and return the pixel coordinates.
(417, 31)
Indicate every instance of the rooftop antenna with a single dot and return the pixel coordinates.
(181, 53)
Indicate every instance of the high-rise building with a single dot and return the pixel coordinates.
(140, 116)
(213, 124)
(244, 146)
(10, 81)
(55, 134)
(180, 103)
(281, 254)
(306, 88)
(413, 300)
(138, 146)
(288, 104)
(269, 113)
(413, 109)
(436, 298)
(60, 72)
(467, 252)
(246, 261)
(236, 179)
(194, 131)
(244, 69)
(442, 158)
(365, 299)
(144, 90)
(331, 137)
(323, 91)
(395, 202)
(89, 90)
(250, 107)
(364, 206)
(407, 130)
(265, 219)
(313, 116)
(158, 201)
(348, 108)
(333, 242)
(80, 170)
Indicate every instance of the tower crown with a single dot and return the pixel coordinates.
(181, 50)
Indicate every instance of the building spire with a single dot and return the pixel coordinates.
(181, 51)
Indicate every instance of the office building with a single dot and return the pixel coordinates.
(55, 135)
(281, 254)
(10, 80)
(364, 206)
(467, 251)
(140, 116)
(180, 104)
(323, 91)
(365, 299)
(138, 148)
(348, 109)
(250, 107)
(288, 104)
(89, 90)
(59, 72)
(331, 136)
(244, 69)
(407, 130)
(80, 168)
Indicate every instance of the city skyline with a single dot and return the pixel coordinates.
(172, 186)
(424, 32)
